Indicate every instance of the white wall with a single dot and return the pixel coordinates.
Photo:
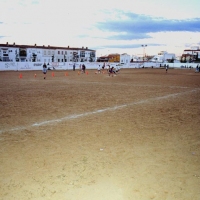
(22, 66)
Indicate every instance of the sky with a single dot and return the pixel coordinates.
(106, 26)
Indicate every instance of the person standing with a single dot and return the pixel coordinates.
(108, 68)
(44, 70)
(166, 68)
(111, 71)
(103, 67)
(99, 69)
(197, 68)
(83, 68)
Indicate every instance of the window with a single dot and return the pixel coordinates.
(92, 54)
(44, 52)
(82, 54)
(62, 52)
(58, 52)
(48, 52)
(22, 52)
(65, 52)
(58, 60)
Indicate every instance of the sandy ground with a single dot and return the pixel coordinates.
(94, 137)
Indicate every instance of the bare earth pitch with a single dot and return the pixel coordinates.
(89, 136)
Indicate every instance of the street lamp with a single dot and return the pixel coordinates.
(144, 45)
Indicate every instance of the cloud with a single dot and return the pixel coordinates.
(134, 26)
(126, 46)
(162, 25)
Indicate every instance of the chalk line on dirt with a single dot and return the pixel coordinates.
(75, 116)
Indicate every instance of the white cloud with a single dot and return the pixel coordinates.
(62, 22)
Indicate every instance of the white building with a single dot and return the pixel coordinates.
(34, 53)
(163, 56)
(125, 58)
(8, 54)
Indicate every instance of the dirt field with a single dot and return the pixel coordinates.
(134, 136)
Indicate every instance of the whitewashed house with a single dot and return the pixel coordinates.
(125, 58)
(9, 54)
(163, 56)
(47, 54)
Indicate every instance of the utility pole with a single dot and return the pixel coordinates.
(143, 45)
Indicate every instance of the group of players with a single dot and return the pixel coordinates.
(110, 70)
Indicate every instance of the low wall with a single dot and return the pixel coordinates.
(171, 65)
(22, 66)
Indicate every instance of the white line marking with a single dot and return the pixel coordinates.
(75, 116)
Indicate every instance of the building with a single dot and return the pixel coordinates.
(191, 55)
(115, 58)
(35, 53)
(109, 58)
(163, 56)
(125, 58)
